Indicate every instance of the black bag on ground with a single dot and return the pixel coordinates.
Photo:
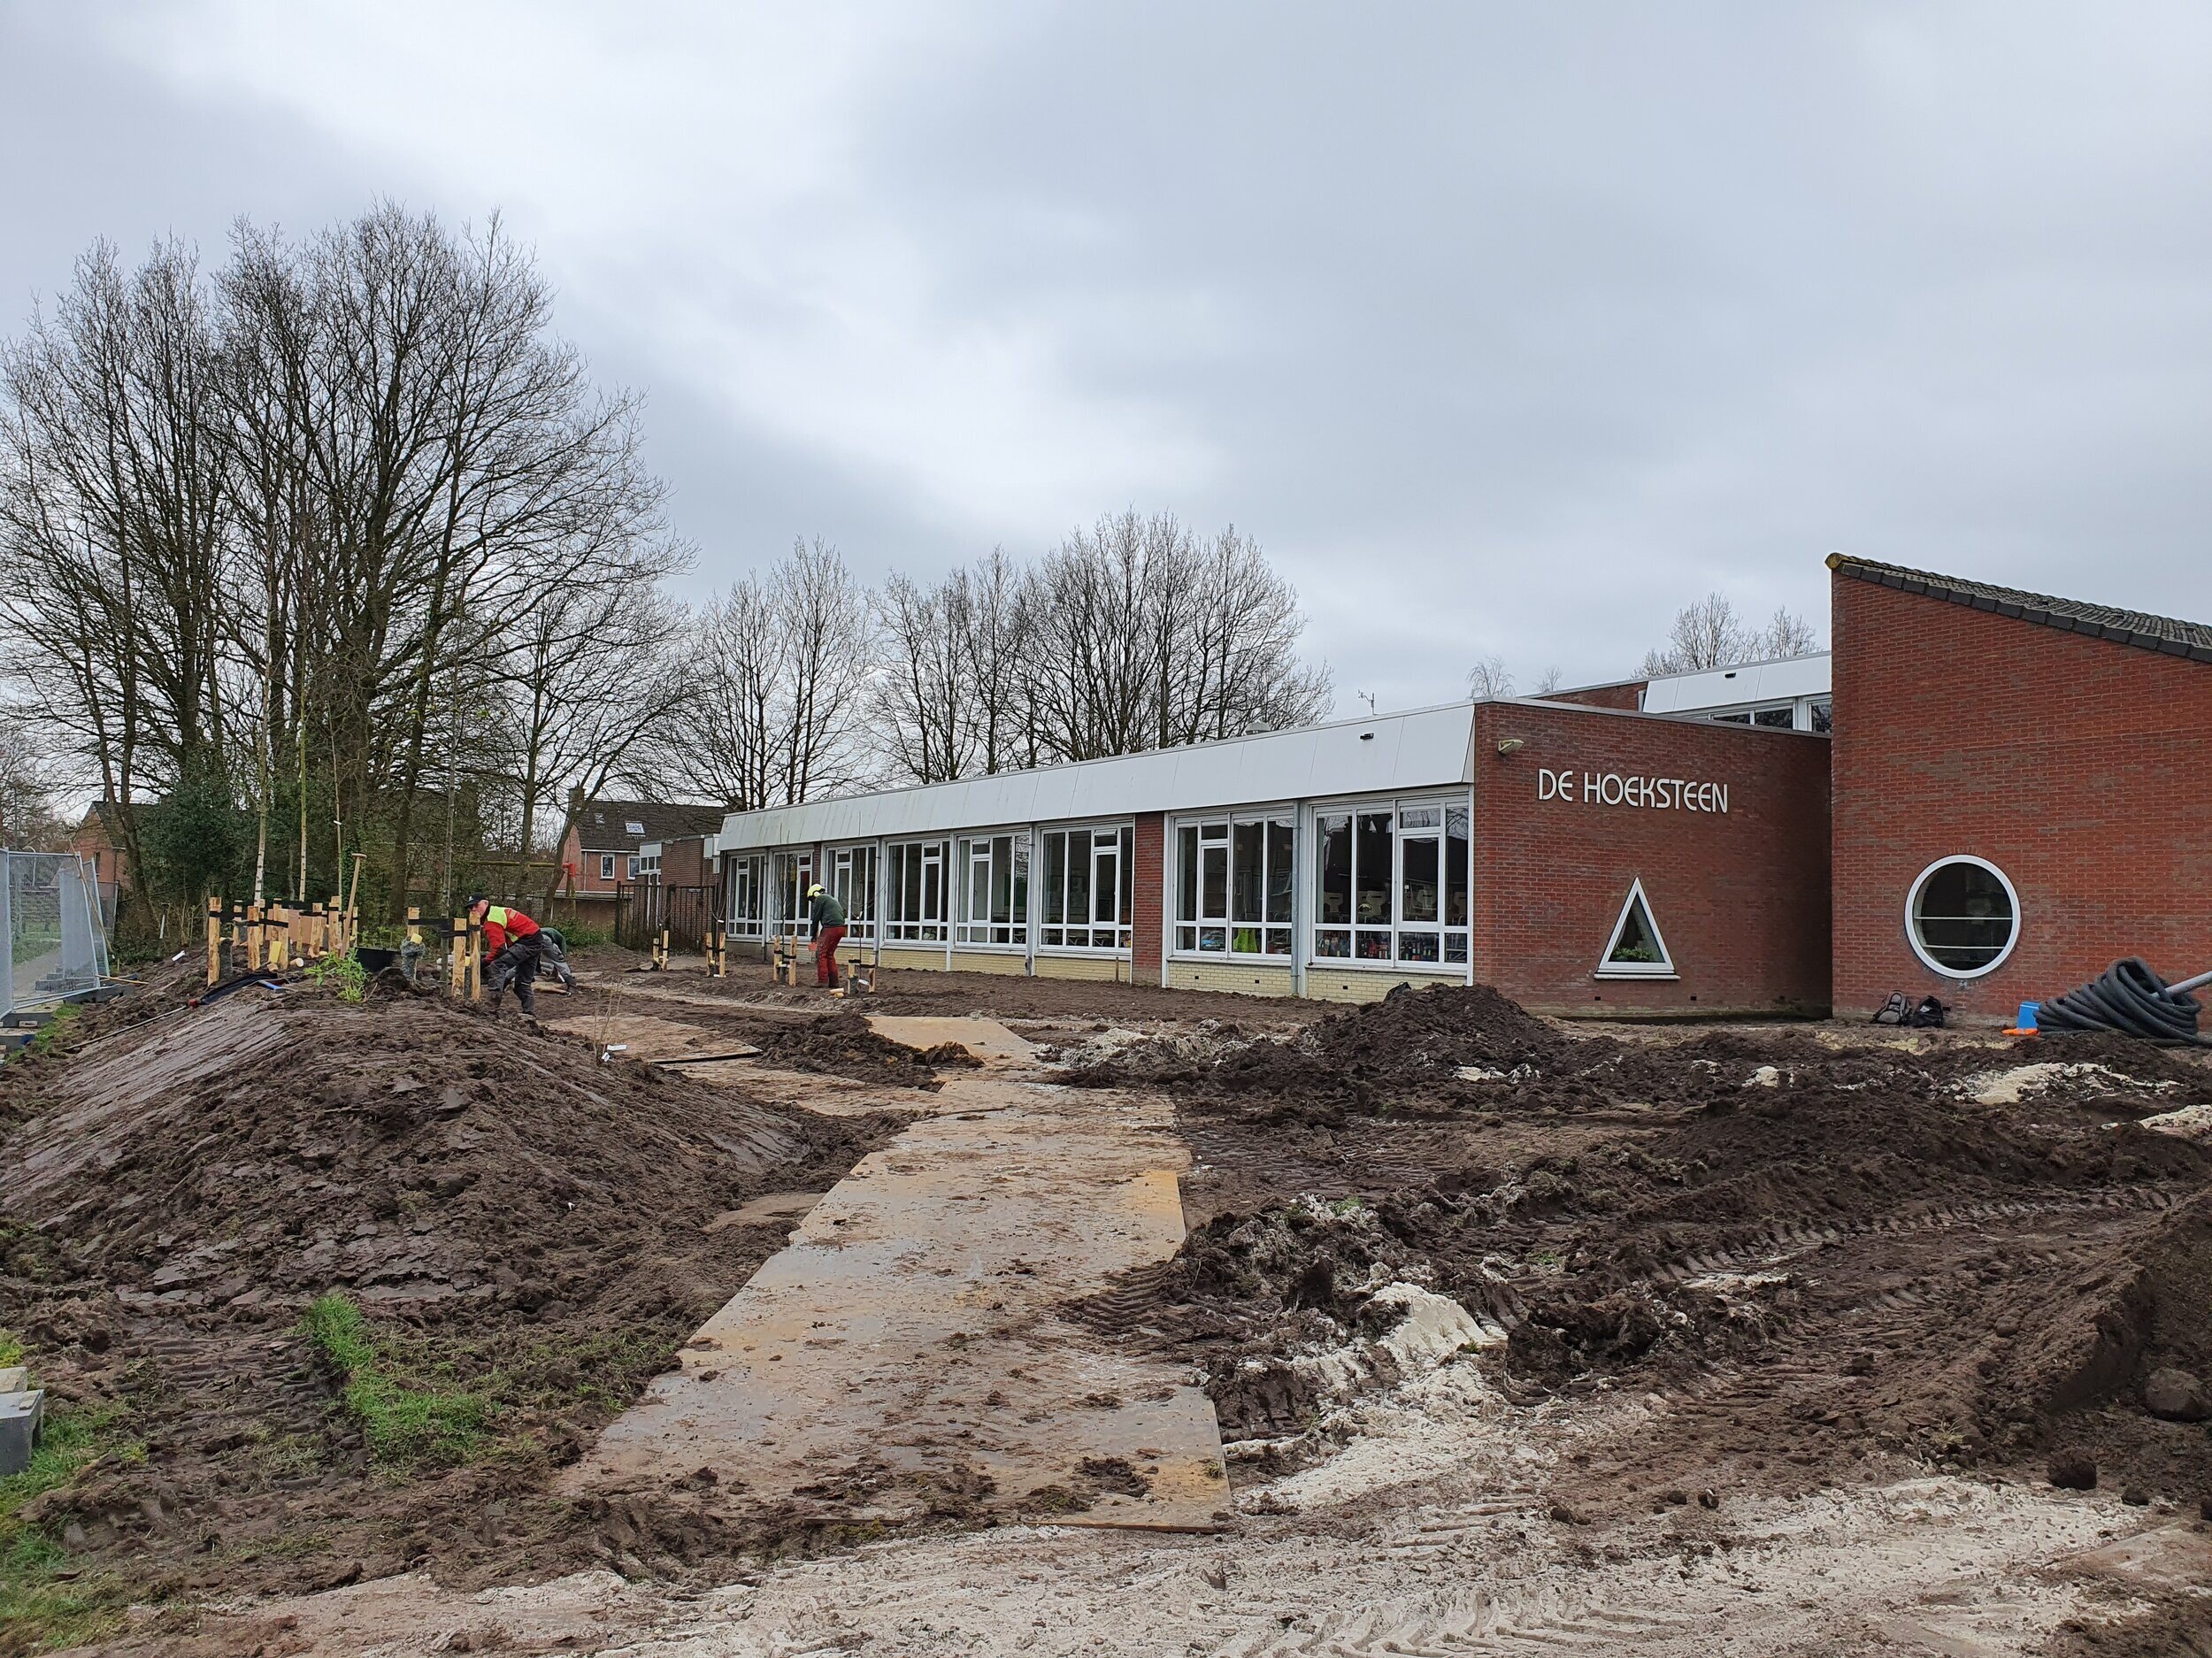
(1928, 1015)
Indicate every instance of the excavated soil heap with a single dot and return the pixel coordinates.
(842, 1045)
(517, 1217)
(1825, 1250)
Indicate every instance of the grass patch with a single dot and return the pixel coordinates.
(43, 1603)
(500, 1398)
(341, 974)
(49, 1036)
(404, 1420)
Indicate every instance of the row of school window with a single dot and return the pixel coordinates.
(1389, 883)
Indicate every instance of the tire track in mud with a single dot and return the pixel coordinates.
(1503, 1620)
(1895, 1294)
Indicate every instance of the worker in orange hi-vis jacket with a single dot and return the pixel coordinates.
(512, 949)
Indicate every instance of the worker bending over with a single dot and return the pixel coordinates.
(553, 957)
(828, 916)
(511, 953)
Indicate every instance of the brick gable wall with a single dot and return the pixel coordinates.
(1740, 898)
(1627, 698)
(2081, 767)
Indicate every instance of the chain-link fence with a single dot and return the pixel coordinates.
(52, 942)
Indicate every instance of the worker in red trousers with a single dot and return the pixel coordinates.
(511, 953)
(828, 916)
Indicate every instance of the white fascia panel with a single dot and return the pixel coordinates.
(1426, 749)
(1779, 681)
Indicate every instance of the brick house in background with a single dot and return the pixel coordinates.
(97, 843)
(679, 861)
(601, 852)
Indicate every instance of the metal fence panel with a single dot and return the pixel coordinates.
(53, 943)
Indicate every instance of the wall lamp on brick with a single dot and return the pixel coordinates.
(1511, 746)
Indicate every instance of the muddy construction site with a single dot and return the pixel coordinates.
(1001, 1315)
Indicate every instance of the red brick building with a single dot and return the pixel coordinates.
(2017, 792)
(602, 851)
(1719, 831)
(2023, 791)
(1586, 859)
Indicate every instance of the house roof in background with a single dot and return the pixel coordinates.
(624, 825)
(2162, 633)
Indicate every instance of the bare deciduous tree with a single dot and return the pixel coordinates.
(274, 516)
(1709, 634)
(1489, 678)
(1142, 638)
(775, 677)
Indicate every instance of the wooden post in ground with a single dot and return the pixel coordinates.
(476, 962)
(214, 939)
(414, 924)
(353, 903)
(456, 960)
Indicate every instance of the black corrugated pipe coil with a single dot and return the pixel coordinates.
(2130, 998)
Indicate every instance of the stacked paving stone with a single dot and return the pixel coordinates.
(22, 1413)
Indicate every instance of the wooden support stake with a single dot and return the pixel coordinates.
(476, 962)
(353, 903)
(414, 925)
(214, 940)
(457, 968)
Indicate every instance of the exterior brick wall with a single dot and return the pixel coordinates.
(2081, 767)
(1252, 979)
(1369, 984)
(683, 863)
(1001, 962)
(1111, 969)
(1740, 898)
(1147, 928)
(1627, 696)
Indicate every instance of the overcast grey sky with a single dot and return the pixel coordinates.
(1506, 329)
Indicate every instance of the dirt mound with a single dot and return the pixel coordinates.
(1352, 1061)
(1831, 1248)
(526, 1227)
(1452, 1048)
(844, 1045)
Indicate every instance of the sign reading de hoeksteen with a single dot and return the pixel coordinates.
(1611, 789)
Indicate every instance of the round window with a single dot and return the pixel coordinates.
(1963, 916)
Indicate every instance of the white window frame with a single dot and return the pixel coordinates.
(853, 880)
(633, 867)
(1052, 932)
(748, 886)
(1607, 967)
(791, 874)
(1912, 919)
(1454, 941)
(1208, 936)
(975, 926)
(606, 866)
(923, 927)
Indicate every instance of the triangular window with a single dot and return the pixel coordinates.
(1636, 950)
